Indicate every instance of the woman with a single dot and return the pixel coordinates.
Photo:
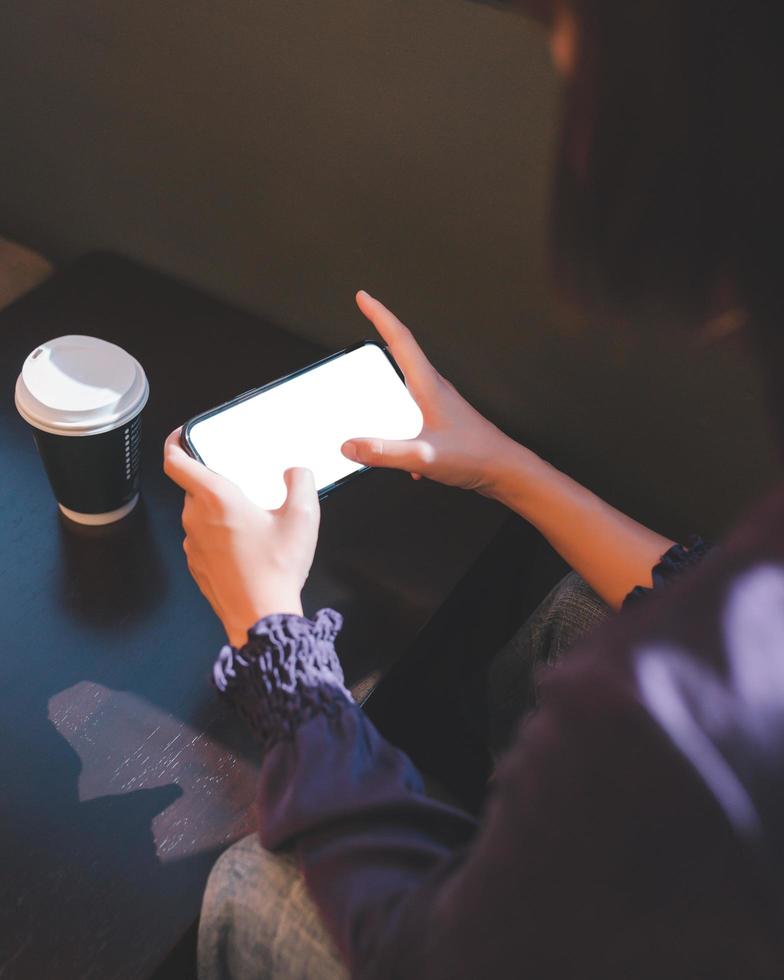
(635, 827)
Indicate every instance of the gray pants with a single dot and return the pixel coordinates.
(257, 920)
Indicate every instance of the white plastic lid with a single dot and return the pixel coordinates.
(79, 385)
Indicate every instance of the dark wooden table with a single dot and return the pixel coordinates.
(123, 776)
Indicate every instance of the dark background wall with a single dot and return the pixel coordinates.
(284, 153)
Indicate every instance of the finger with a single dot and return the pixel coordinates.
(416, 476)
(301, 491)
(184, 470)
(399, 454)
(418, 371)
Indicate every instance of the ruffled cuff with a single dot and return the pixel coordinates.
(673, 563)
(286, 673)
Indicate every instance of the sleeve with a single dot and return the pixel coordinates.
(409, 887)
(673, 563)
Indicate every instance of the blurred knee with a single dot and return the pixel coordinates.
(259, 923)
(573, 608)
(573, 592)
(241, 909)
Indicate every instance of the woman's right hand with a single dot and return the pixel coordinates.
(457, 446)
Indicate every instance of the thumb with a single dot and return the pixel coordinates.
(400, 454)
(301, 490)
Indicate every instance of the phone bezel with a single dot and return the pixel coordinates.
(188, 446)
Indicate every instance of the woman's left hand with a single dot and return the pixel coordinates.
(247, 561)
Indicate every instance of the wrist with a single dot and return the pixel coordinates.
(287, 672)
(237, 628)
(516, 476)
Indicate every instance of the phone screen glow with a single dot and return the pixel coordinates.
(304, 422)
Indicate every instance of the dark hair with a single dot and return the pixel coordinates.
(668, 181)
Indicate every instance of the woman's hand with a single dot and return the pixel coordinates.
(247, 561)
(457, 446)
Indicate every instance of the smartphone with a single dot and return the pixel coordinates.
(303, 419)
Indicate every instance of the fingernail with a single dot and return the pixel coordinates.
(350, 450)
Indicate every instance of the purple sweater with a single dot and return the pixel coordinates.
(635, 828)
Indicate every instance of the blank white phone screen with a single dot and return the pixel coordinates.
(304, 422)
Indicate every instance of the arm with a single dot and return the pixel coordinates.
(611, 551)
(407, 886)
(571, 872)
(459, 447)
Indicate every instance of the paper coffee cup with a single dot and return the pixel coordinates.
(84, 397)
